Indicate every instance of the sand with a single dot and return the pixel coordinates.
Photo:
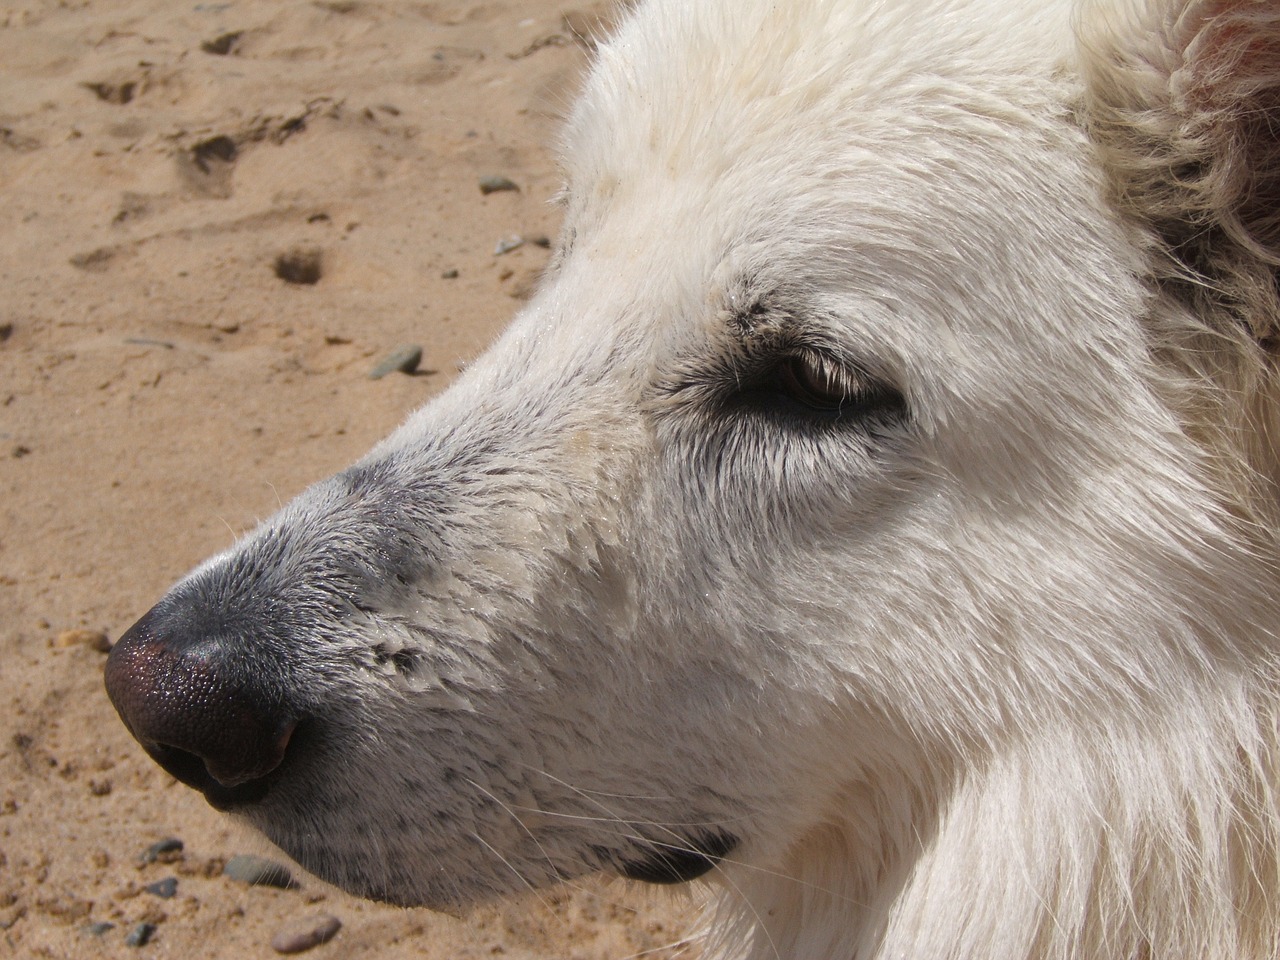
(217, 218)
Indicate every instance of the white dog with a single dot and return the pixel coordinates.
(874, 510)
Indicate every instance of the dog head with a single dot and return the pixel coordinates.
(857, 436)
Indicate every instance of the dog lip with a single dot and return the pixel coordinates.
(670, 863)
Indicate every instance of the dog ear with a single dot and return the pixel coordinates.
(1183, 103)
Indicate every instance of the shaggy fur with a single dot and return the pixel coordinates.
(877, 502)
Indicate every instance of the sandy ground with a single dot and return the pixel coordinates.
(162, 386)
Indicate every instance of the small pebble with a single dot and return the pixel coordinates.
(450, 274)
(405, 359)
(164, 889)
(93, 639)
(302, 266)
(306, 933)
(495, 184)
(259, 872)
(223, 44)
(98, 929)
(163, 851)
(140, 935)
(507, 245)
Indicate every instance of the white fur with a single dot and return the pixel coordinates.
(993, 677)
(1046, 650)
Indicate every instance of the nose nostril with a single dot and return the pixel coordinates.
(182, 765)
(186, 767)
(197, 770)
(256, 757)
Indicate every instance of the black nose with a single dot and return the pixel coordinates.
(196, 701)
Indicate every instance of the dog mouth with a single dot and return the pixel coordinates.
(670, 863)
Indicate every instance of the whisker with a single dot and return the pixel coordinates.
(583, 791)
(518, 875)
(682, 843)
(523, 826)
(586, 818)
(760, 924)
(682, 945)
(564, 881)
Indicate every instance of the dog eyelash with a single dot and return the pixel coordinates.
(816, 381)
(796, 385)
(816, 384)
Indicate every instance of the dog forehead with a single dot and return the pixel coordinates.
(702, 87)
(725, 128)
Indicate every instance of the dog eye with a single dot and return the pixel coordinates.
(820, 383)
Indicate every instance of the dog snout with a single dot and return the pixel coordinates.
(195, 702)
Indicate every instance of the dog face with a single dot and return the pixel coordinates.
(831, 459)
